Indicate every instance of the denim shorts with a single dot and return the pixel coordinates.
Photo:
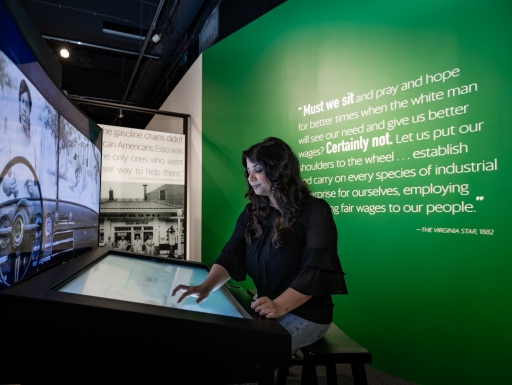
(303, 332)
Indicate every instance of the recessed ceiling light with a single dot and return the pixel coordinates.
(64, 53)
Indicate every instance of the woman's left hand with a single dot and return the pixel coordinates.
(266, 307)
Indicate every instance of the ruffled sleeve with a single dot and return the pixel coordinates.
(232, 256)
(321, 272)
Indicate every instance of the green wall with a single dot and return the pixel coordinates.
(433, 307)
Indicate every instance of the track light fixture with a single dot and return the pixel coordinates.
(156, 38)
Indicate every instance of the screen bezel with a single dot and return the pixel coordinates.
(39, 287)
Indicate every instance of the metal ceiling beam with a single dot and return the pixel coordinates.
(165, 56)
(186, 42)
(117, 106)
(141, 55)
(102, 47)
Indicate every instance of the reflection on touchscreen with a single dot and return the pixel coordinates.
(147, 281)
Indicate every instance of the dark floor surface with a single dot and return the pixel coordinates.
(375, 377)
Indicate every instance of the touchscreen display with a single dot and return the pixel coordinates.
(147, 281)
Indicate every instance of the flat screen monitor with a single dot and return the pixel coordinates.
(149, 281)
(50, 162)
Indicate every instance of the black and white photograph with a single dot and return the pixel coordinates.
(143, 218)
(79, 166)
(28, 122)
(142, 199)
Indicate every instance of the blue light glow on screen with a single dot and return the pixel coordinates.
(147, 281)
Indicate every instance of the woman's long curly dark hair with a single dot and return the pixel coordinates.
(290, 191)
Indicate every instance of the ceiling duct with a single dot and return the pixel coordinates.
(85, 62)
(124, 30)
(210, 31)
(147, 39)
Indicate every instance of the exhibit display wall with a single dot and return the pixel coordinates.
(400, 115)
(143, 190)
(186, 98)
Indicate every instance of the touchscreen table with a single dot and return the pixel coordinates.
(133, 279)
(108, 316)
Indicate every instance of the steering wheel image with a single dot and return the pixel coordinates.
(21, 220)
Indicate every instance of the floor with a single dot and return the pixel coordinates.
(375, 377)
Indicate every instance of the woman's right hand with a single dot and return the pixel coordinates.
(195, 291)
(217, 277)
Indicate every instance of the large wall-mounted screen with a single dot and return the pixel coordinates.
(49, 165)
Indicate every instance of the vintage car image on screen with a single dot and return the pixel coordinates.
(36, 231)
(21, 223)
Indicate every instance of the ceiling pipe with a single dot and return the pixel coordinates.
(165, 55)
(81, 100)
(141, 54)
(81, 97)
(185, 43)
(102, 47)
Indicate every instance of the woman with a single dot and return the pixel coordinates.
(20, 143)
(286, 240)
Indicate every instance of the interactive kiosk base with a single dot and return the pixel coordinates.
(108, 317)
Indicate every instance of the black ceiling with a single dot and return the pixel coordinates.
(102, 66)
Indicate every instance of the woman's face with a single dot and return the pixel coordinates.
(258, 180)
(25, 110)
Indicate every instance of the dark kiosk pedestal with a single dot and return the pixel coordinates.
(57, 337)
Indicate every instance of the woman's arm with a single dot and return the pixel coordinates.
(321, 250)
(289, 300)
(217, 277)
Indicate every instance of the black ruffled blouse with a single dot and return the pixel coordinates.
(307, 260)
